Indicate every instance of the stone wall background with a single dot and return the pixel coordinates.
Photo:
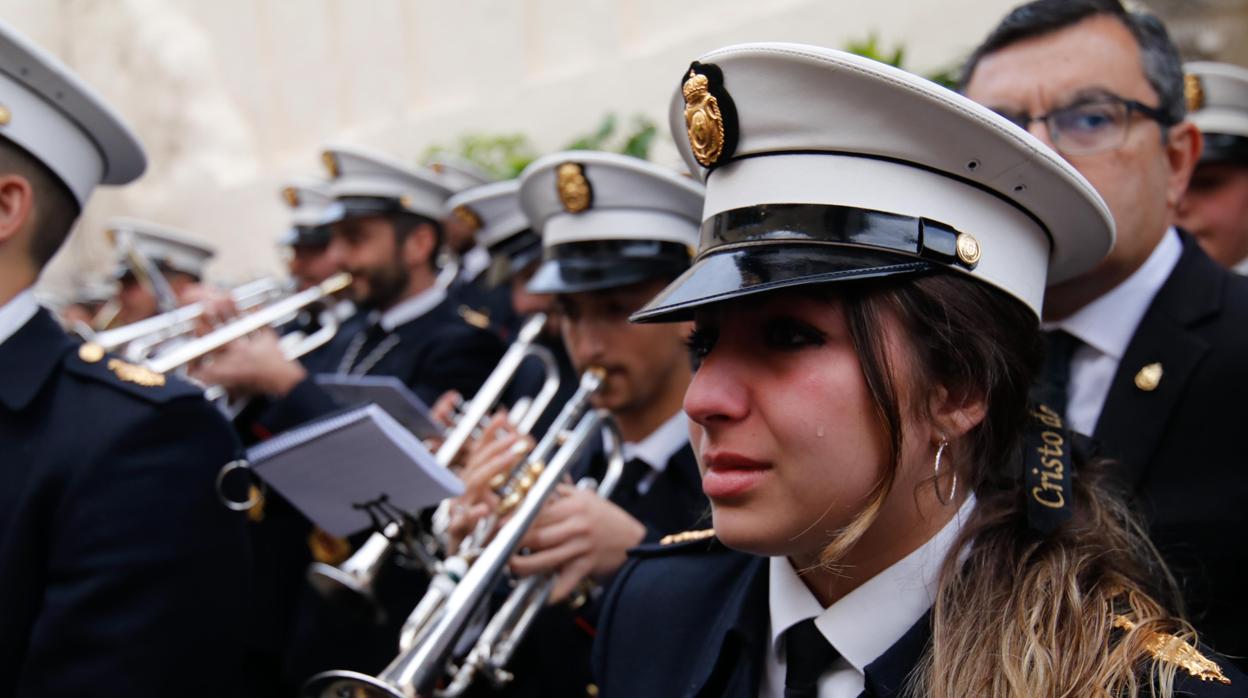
(233, 96)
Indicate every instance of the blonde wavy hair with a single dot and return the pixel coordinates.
(1017, 613)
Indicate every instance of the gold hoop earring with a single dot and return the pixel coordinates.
(953, 491)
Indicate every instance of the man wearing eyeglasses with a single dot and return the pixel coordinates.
(1148, 348)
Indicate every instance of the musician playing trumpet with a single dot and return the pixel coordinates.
(617, 232)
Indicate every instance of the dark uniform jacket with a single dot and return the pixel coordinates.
(691, 620)
(436, 352)
(121, 572)
(1181, 446)
(554, 660)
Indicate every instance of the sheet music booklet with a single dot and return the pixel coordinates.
(347, 470)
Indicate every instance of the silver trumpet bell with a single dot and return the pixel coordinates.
(436, 625)
(356, 576)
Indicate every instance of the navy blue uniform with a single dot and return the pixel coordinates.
(690, 620)
(121, 573)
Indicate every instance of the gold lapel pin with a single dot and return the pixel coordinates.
(1149, 377)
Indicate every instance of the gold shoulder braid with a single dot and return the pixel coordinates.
(136, 374)
(687, 536)
(1169, 649)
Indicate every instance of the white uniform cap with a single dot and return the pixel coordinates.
(359, 176)
(493, 210)
(821, 165)
(459, 174)
(312, 209)
(58, 119)
(608, 220)
(169, 248)
(1217, 96)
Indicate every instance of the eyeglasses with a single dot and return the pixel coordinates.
(1093, 126)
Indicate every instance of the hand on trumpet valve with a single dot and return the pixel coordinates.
(578, 535)
(446, 407)
(252, 365)
(486, 468)
(217, 303)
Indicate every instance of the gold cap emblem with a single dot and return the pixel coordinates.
(1194, 92)
(331, 164)
(968, 249)
(1149, 377)
(703, 119)
(574, 190)
(5, 116)
(292, 196)
(91, 352)
(467, 216)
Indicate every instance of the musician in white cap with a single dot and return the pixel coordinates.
(306, 241)
(515, 251)
(479, 300)
(615, 230)
(386, 233)
(121, 572)
(158, 267)
(1215, 206)
(387, 236)
(889, 514)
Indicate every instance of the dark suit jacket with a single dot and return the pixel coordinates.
(1180, 446)
(690, 620)
(121, 573)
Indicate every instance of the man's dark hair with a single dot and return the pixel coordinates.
(55, 208)
(405, 222)
(1161, 63)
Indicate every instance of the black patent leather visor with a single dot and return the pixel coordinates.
(765, 248)
(577, 267)
(1222, 147)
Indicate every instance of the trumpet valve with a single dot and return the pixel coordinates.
(497, 482)
(535, 469)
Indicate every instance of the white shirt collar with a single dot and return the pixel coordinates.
(474, 262)
(1109, 322)
(658, 448)
(867, 621)
(407, 310)
(16, 313)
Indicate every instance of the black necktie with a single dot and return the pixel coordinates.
(1052, 387)
(625, 492)
(807, 655)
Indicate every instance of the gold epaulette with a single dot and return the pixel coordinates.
(130, 373)
(687, 536)
(477, 318)
(1172, 650)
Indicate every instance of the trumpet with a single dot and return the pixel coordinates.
(357, 574)
(139, 338)
(435, 626)
(270, 314)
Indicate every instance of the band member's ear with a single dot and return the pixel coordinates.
(17, 200)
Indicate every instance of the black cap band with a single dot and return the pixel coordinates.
(573, 267)
(1224, 147)
(841, 225)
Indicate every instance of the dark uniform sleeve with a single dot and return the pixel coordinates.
(461, 359)
(148, 573)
